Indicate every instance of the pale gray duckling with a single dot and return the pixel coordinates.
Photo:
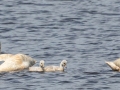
(40, 68)
(56, 68)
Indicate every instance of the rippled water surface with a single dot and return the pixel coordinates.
(84, 32)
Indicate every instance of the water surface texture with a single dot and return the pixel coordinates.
(84, 32)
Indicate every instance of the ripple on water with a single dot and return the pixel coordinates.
(84, 32)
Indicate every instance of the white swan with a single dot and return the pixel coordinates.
(16, 62)
(115, 65)
(41, 68)
(57, 68)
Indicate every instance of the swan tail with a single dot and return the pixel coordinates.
(112, 66)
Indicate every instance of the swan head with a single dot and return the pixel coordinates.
(63, 63)
(42, 63)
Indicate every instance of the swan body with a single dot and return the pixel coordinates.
(115, 65)
(56, 68)
(16, 62)
(41, 68)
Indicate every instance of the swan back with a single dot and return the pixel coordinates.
(50, 68)
(117, 62)
(24, 60)
(17, 62)
(4, 57)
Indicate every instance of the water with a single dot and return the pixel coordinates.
(84, 32)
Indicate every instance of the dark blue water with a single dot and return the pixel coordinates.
(84, 32)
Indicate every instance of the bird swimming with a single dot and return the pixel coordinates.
(51, 68)
(16, 62)
(56, 68)
(40, 68)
